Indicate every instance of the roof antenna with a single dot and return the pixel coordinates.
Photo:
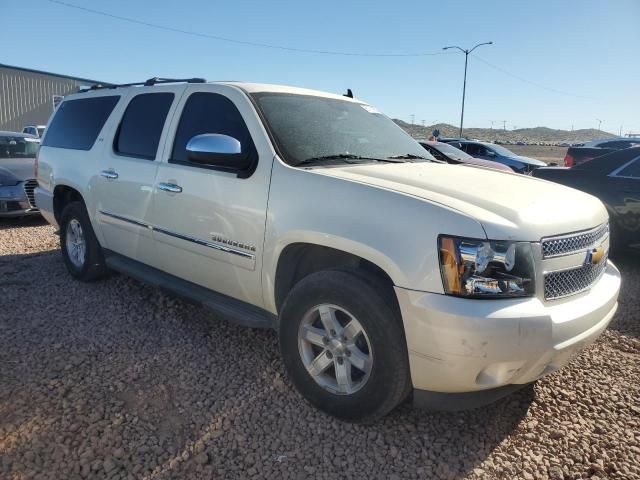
(349, 93)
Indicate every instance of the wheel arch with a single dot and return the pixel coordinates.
(298, 259)
(62, 196)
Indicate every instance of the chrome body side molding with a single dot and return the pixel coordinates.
(181, 236)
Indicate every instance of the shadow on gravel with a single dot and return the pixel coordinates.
(21, 222)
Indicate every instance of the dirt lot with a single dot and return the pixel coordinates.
(540, 152)
(116, 380)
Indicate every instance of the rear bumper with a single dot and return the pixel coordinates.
(44, 200)
(461, 345)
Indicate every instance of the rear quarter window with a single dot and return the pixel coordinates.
(78, 122)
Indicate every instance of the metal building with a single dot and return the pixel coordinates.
(27, 97)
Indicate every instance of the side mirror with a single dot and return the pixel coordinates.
(217, 150)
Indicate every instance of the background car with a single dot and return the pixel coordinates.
(35, 130)
(17, 183)
(450, 154)
(615, 180)
(498, 153)
(583, 152)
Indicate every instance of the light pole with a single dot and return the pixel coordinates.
(599, 123)
(464, 85)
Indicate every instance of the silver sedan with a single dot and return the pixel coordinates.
(17, 176)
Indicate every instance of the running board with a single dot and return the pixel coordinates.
(230, 309)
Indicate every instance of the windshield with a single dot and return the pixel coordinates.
(18, 147)
(451, 151)
(500, 150)
(308, 127)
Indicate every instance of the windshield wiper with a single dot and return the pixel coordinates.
(345, 157)
(408, 156)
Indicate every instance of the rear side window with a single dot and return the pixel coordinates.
(77, 123)
(209, 113)
(631, 171)
(141, 126)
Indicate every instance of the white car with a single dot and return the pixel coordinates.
(384, 273)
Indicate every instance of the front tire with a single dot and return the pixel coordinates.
(343, 345)
(81, 252)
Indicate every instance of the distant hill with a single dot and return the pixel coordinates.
(527, 135)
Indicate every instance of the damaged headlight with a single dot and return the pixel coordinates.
(482, 268)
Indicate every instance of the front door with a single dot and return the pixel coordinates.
(209, 223)
(127, 172)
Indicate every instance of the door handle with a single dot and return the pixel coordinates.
(170, 187)
(110, 174)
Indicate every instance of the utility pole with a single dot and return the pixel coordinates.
(413, 117)
(464, 84)
(599, 123)
(491, 124)
(620, 133)
(423, 123)
(504, 125)
(572, 127)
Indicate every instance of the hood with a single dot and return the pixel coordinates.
(21, 168)
(509, 206)
(531, 161)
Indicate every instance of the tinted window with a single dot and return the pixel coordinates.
(141, 125)
(475, 149)
(209, 113)
(632, 170)
(77, 123)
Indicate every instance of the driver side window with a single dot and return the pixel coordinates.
(206, 112)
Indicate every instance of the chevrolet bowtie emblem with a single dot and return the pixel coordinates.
(594, 255)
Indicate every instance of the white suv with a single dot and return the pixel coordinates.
(384, 273)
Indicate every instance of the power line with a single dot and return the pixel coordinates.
(235, 40)
(529, 81)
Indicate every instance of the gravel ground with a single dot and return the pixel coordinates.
(116, 380)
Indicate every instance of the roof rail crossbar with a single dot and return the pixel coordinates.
(147, 83)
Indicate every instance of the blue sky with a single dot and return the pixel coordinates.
(580, 59)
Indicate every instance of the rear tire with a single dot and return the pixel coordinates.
(81, 252)
(361, 372)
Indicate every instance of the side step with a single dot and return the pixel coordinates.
(230, 309)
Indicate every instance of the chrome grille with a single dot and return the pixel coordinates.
(569, 282)
(29, 187)
(565, 244)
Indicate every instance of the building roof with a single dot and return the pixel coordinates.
(31, 70)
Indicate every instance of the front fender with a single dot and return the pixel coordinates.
(394, 231)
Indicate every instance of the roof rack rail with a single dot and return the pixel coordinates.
(147, 83)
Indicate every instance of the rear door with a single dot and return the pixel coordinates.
(127, 171)
(209, 224)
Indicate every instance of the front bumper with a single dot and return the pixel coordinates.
(14, 202)
(44, 200)
(461, 345)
